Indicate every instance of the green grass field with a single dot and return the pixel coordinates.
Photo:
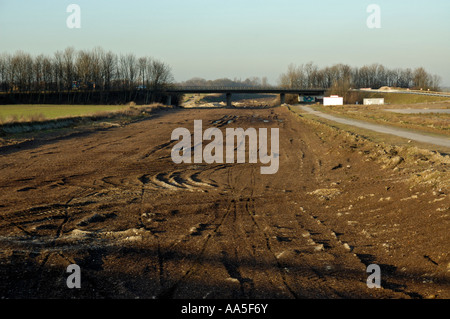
(14, 113)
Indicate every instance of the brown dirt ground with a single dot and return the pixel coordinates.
(113, 202)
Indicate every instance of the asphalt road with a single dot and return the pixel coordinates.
(441, 141)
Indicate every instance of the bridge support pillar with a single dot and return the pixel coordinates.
(282, 98)
(169, 100)
(229, 100)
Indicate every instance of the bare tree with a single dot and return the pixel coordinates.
(5, 62)
(68, 67)
(83, 68)
(21, 71)
(37, 73)
(143, 69)
(128, 70)
(96, 68)
(264, 81)
(109, 65)
(436, 81)
(310, 70)
(293, 78)
(160, 75)
(47, 73)
(421, 79)
(58, 70)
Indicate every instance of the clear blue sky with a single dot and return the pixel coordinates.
(238, 38)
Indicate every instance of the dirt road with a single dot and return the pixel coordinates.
(138, 225)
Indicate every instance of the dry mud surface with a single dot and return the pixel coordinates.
(140, 226)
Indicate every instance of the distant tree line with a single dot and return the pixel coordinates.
(81, 70)
(369, 76)
(225, 82)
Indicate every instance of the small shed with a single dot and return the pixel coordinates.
(333, 100)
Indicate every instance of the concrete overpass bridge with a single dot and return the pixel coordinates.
(243, 90)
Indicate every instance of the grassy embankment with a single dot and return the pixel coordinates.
(433, 123)
(24, 122)
(30, 113)
(419, 163)
(400, 98)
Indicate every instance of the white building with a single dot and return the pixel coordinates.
(333, 100)
(374, 101)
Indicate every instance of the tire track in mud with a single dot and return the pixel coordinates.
(176, 181)
(52, 244)
(38, 214)
(46, 244)
(320, 233)
(310, 274)
(218, 221)
(323, 241)
(158, 148)
(234, 211)
(251, 212)
(227, 119)
(401, 291)
(322, 237)
(325, 237)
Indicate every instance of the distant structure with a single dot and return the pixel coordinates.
(310, 98)
(228, 91)
(333, 100)
(379, 101)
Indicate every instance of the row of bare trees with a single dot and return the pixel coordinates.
(70, 70)
(369, 76)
